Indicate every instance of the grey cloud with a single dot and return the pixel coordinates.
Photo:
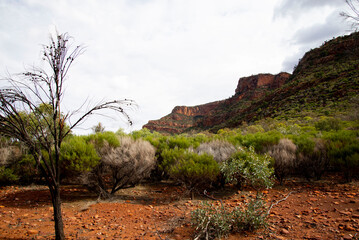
(315, 34)
(295, 8)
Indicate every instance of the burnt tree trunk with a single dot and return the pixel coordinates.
(56, 203)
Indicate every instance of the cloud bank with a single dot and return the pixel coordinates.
(165, 53)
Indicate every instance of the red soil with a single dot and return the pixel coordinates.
(318, 210)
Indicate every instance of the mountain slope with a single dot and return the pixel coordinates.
(324, 79)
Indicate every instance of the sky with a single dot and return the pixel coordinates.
(163, 53)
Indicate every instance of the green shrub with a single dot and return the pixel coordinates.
(99, 140)
(78, 155)
(26, 170)
(312, 159)
(252, 217)
(213, 222)
(343, 152)
(7, 176)
(328, 124)
(248, 168)
(193, 170)
(261, 141)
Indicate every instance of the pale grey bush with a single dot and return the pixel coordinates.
(220, 150)
(284, 154)
(125, 165)
(8, 154)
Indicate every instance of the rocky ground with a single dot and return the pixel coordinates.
(309, 210)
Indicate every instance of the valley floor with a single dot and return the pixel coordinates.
(309, 210)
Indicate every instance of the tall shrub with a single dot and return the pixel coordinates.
(122, 166)
(248, 168)
(195, 172)
(284, 155)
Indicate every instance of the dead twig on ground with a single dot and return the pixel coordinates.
(281, 200)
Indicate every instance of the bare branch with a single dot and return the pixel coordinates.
(354, 16)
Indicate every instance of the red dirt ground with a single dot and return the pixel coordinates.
(316, 210)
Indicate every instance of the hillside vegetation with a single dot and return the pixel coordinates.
(324, 83)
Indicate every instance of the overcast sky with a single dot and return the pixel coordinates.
(164, 53)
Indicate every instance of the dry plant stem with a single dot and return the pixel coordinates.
(283, 199)
(205, 231)
(210, 197)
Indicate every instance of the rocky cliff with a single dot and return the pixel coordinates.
(324, 81)
(183, 118)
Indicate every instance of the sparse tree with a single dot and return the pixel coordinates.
(45, 131)
(352, 17)
(126, 165)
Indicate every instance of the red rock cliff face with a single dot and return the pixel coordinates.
(252, 86)
(183, 118)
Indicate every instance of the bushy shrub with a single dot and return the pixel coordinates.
(312, 159)
(284, 155)
(343, 152)
(259, 141)
(7, 176)
(102, 140)
(248, 168)
(252, 217)
(328, 124)
(121, 166)
(9, 154)
(78, 155)
(213, 222)
(192, 170)
(26, 169)
(219, 149)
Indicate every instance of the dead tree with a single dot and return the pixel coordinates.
(44, 131)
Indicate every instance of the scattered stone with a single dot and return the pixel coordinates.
(348, 237)
(284, 231)
(345, 212)
(32, 232)
(349, 228)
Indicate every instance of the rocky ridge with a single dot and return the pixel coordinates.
(183, 118)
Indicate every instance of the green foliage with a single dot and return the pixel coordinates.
(328, 124)
(252, 217)
(304, 142)
(25, 168)
(78, 155)
(248, 168)
(100, 139)
(7, 175)
(189, 168)
(343, 152)
(259, 141)
(213, 222)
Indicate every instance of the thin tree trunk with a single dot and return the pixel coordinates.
(56, 203)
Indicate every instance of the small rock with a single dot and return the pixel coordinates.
(345, 212)
(347, 237)
(284, 231)
(349, 228)
(278, 237)
(32, 231)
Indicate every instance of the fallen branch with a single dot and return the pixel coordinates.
(273, 204)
